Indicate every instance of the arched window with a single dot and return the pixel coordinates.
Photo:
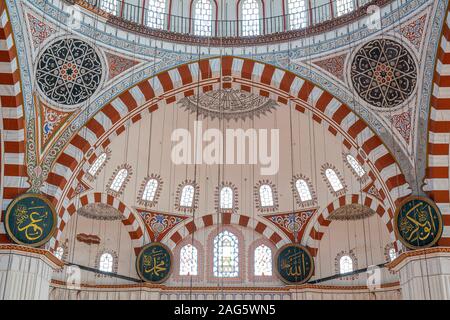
(226, 255)
(297, 14)
(392, 254)
(263, 261)
(155, 13)
(109, 6)
(59, 253)
(106, 262)
(203, 16)
(188, 261)
(150, 190)
(345, 264)
(334, 180)
(187, 196)
(266, 195)
(226, 198)
(344, 7)
(357, 168)
(118, 180)
(250, 18)
(303, 190)
(97, 164)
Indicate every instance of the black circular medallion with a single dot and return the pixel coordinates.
(418, 223)
(69, 72)
(30, 220)
(294, 264)
(154, 263)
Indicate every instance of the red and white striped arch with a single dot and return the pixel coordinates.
(15, 178)
(180, 233)
(228, 72)
(317, 226)
(130, 221)
(437, 173)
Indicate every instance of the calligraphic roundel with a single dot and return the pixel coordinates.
(30, 220)
(418, 223)
(294, 264)
(154, 263)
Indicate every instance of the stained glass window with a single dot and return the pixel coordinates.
(303, 190)
(266, 195)
(359, 170)
(203, 18)
(226, 198)
(345, 264)
(392, 254)
(188, 261)
(155, 13)
(187, 196)
(119, 179)
(150, 190)
(106, 262)
(334, 180)
(226, 255)
(263, 261)
(250, 18)
(297, 14)
(344, 7)
(59, 253)
(97, 164)
(109, 6)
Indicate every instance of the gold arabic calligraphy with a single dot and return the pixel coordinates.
(417, 224)
(295, 264)
(154, 263)
(33, 229)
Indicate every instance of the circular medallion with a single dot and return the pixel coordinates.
(384, 73)
(69, 72)
(154, 263)
(418, 223)
(30, 220)
(294, 264)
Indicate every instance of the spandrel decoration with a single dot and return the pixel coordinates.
(154, 263)
(294, 264)
(418, 223)
(30, 220)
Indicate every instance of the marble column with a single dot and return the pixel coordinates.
(25, 272)
(424, 274)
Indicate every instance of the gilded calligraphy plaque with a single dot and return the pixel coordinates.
(294, 264)
(154, 263)
(418, 223)
(30, 220)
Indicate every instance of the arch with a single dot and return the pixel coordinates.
(251, 256)
(176, 235)
(200, 260)
(131, 221)
(214, 19)
(437, 176)
(266, 80)
(13, 146)
(316, 228)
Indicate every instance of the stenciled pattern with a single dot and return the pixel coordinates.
(69, 72)
(384, 73)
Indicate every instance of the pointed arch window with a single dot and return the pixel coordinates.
(345, 264)
(226, 198)
(188, 261)
(98, 163)
(297, 14)
(263, 261)
(187, 196)
(266, 195)
(344, 7)
(59, 253)
(106, 262)
(250, 18)
(392, 254)
(109, 6)
(155, 13)
(334, 180)
(119, 180)
(203, 16)
(356, 166)
(226, 255)
(303, 190)
(150, 190)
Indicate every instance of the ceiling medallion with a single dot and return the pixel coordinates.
(69, 72)
(384, 73)
(100, 211)
(228, 104)
(352, 211)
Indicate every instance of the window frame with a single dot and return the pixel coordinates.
(154, 201)
(260, 19)
(162, 16)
